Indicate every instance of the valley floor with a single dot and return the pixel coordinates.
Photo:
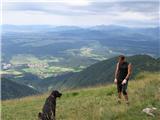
(97, 103)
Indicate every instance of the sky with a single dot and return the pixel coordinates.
(133, 13)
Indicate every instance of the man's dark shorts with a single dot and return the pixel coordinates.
(122, 88)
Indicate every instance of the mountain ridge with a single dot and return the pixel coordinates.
(103, 72)
(12, 90)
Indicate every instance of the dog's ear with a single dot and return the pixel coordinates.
(53, 93)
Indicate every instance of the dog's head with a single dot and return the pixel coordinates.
(56, 93)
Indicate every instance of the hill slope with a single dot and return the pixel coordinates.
(97, 103)
(103, 72)
(12, 90)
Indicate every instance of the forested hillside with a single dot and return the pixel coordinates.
(12, 90)
(103, 73)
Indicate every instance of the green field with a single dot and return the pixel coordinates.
(48, 66)
(98, 103)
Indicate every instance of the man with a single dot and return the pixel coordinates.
(122, 74)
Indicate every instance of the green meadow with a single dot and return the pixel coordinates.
(96, 103)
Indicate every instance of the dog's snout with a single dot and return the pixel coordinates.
(60, 94)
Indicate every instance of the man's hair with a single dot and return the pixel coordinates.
(122, 57)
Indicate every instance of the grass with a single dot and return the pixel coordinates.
(97, 103)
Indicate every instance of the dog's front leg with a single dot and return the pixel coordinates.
(53, 115)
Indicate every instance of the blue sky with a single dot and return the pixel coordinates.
(143, 13)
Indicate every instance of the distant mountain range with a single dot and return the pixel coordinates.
(65, 49)
(56, 40)
(67, 57)
(11, 90)
(101, 73)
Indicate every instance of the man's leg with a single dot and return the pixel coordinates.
(125, 94)
(126, 99)
(119, 89)
(119, 95)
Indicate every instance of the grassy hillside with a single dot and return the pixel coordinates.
(103, 72)
(12, 90)
(98, 103)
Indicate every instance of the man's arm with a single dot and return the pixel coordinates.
(129, 71)
(116, 71)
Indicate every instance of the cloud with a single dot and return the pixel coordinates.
(89, 7)
(85, 11)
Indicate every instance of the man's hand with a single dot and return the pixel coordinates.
(115, 80)
(124, 81)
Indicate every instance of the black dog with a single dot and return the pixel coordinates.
(49, 108)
